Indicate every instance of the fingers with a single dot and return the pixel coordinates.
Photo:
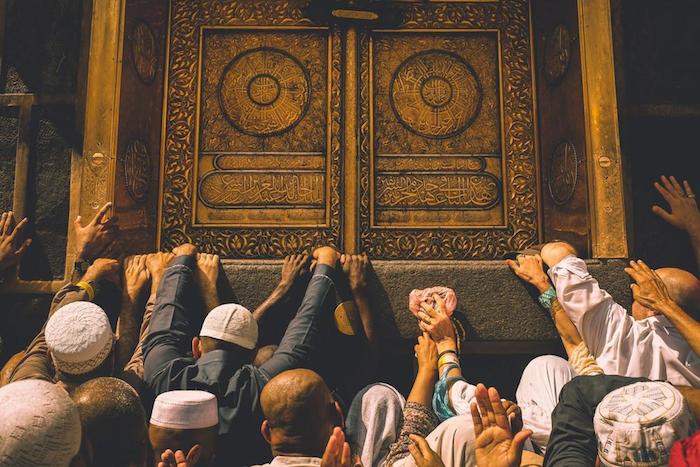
(498, 410)
(476, 418)
(513, 265)
(429, 310)
(439, 302)
(180, 457)
(665, 193)
(23, 249)
(424, 317)
(677, 186)
(194, 454)
(3, 221)
(345, 456)
(18, 230)
(101, 214)
(668, 186)
(519, 442)
(421, 444)
(688, 189)
(662, 213)
(488, 418)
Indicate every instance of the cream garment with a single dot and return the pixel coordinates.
(651, 348)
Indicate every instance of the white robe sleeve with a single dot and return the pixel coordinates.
(602, 323)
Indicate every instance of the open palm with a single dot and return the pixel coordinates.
(496, 446)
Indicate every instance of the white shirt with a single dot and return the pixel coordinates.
(651, 348)
(293, 462)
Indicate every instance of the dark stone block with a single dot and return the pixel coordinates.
(495, 305)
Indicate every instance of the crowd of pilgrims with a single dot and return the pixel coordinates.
(145, 361)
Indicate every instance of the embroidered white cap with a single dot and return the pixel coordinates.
(40, 425)
(185, 410)
(638, 424)
(231, 323)
(79, 337)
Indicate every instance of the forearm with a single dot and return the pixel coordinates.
(568, 333)
(171, 326)
(278, 295)
(686, 325)
(422, 390)
(445, 346)
(300, 340)
(365, 312)
(127, 331)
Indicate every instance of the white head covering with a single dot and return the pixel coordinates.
(231, 323)
(79, 337)
(185, 410)
(39, 426)
(637, 424)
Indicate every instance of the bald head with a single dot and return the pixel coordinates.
(684, 289)
(300, 413)
(113, 421)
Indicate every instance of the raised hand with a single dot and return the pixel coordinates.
(681, 200)
(293, 267)
(649, 290)
(337, 453)
(435, 320)
(104, 269)
(186, 249)
(327, 255)
(156, 264)
(355, 268)
(93, 239)
(12, 246)
(423, 454)
(531, 270)
(206, 276)
(496, 445)
(136, 276)
(178, 459)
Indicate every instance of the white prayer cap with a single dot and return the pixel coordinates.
(185, 410)
(231, 323)
(39, 426)
(637, 424)
(79, 337)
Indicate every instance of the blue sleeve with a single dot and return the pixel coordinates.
(172, 323)
(301, 340)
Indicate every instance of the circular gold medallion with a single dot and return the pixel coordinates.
(557, 54)
(436, 94)
(264, 92)
(143, 52)
(563, 173)
(137, 170)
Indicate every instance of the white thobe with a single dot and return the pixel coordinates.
(651, 348)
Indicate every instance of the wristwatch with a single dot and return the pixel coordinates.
(547, 297)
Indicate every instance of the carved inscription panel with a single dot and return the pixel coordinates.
(252, 150)
(447, 145)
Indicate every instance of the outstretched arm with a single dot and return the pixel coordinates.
(651, 292)
(356, 268)
(172, 325)
(293, 268)
(300, 341)
(136, 279)
(684, 213)
(530, 269)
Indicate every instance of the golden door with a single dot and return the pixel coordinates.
(414, 141)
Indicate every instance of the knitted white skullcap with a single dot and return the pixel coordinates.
(231, 323)
(79, 337)
(39, 426)
(637, 424)
(185, 410)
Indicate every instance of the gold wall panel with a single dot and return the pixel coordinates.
(447, 133)
(251, 153)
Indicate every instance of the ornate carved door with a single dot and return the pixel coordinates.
(255, 149)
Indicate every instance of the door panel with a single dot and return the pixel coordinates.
(253, 130)
(447, 133)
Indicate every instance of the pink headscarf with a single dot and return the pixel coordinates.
(426, 295)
